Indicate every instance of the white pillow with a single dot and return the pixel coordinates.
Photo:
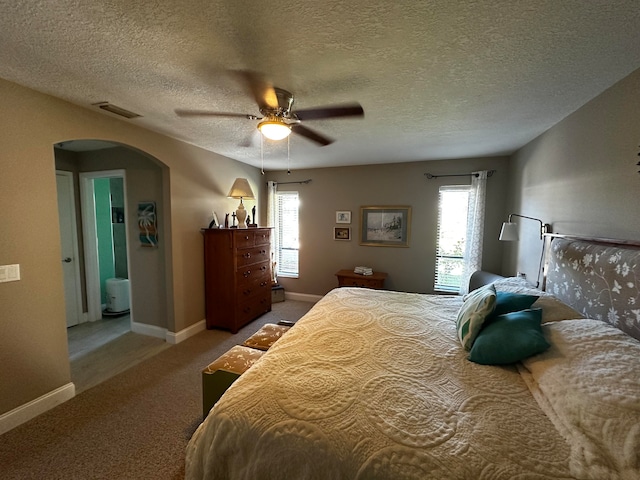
(477, 306)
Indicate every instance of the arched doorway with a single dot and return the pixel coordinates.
(92, 162)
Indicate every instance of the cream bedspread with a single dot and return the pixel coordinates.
(599, 411)
(375, 385)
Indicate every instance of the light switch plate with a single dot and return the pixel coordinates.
(9, 273)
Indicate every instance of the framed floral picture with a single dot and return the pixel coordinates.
(342, 233)
(385, 226)
(343, 216)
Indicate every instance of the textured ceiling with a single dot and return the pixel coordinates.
(437, 79)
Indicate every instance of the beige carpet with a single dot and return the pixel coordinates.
(135, 425)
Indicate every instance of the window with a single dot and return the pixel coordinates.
(453, 205)
(286, 241)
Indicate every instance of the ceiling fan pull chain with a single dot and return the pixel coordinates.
(261, 155)
(288, 156)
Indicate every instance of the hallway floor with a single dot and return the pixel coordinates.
(99, 350)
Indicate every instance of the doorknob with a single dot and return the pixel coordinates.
(67, 260)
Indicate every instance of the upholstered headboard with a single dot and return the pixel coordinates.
(480, 278)
(600, 278)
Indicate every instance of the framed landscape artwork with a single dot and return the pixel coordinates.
(385, 226)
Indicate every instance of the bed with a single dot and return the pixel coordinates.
(378, 384)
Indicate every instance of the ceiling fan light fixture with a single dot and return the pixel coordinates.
(274, 129)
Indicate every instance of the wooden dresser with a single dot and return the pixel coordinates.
(237, 276)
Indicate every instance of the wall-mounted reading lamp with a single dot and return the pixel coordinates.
(509, 233)
(509, 230)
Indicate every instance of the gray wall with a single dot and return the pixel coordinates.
(348, 188)
(581, 175)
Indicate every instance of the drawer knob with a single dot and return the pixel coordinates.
(247, 255)
(246, 274)
(263, 284)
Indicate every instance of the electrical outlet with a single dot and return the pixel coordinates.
(9, 273)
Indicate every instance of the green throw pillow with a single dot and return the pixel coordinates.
(510, 338)
(477, 306)
(507, 302)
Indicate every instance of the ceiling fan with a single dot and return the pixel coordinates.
(278, 119)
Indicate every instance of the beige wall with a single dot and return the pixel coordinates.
(581, 175)
(348, 188)
(33, 342)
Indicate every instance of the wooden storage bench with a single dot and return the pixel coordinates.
(269, 334)
(218, 376)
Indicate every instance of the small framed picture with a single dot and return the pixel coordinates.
(343, 216)
(214, 222)
(342, 233)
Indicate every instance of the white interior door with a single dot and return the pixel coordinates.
(69, 247)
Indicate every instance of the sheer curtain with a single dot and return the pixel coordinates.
(272, 187)
(475, 228)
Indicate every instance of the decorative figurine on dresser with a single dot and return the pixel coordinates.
(237, 276)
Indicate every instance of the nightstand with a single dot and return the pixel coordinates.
(348, 278)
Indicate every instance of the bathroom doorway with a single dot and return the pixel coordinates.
(104, 210)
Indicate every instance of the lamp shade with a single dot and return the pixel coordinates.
(509, 232)
(274, 129)
(240, 189)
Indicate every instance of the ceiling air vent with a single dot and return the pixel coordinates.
(117, 110)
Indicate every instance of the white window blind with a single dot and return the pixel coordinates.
(453, 205)
(287, 244)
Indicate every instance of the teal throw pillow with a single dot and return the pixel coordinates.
(507, 302)
(477, 306)
(509, 338)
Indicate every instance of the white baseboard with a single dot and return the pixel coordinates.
(302, 297)
(183, 334)
(32, 409)
(167, 336)
(150, 330)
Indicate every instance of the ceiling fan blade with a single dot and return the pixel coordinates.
(263, 92)
(207, 113)
(348, 110)
(311, 135)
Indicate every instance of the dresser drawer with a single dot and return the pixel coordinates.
(262, 237)
(251, 273)
(243, 238)
(248, 237)
(252, 308)
(250, 256)
(247, 291)
(347, 278)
